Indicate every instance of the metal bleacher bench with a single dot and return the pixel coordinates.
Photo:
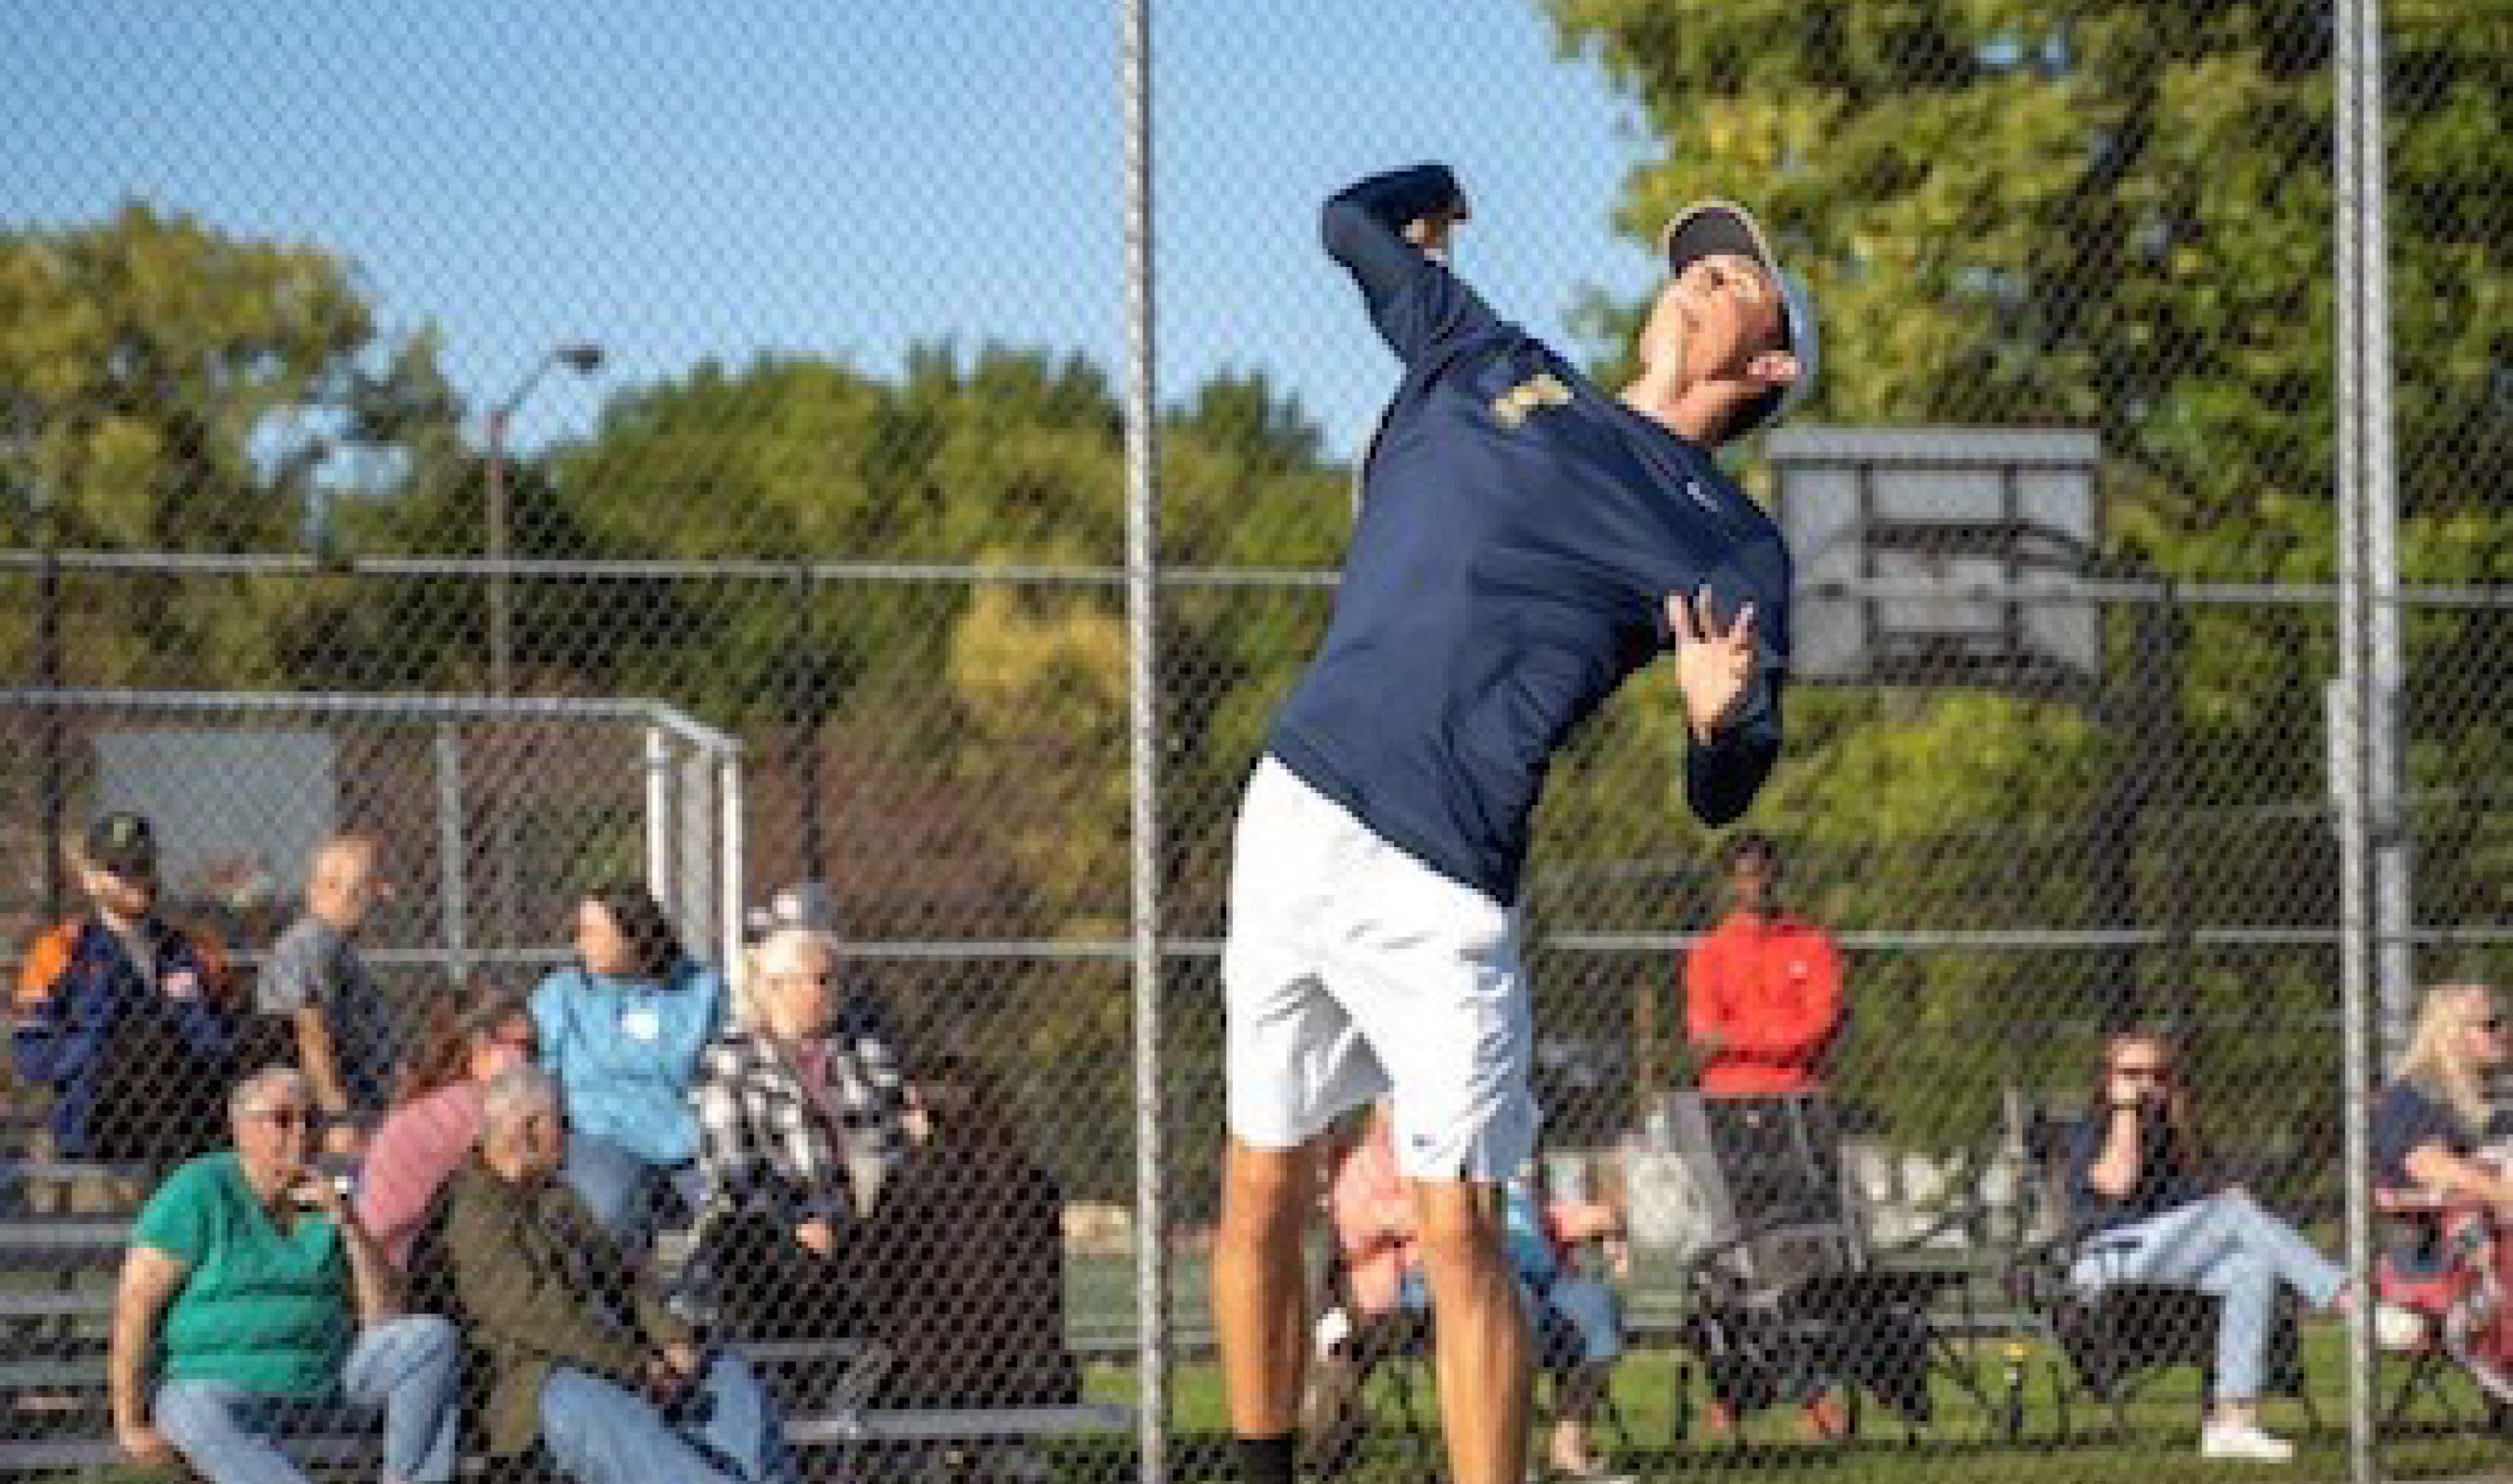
(67, 1245)
(841, 1423)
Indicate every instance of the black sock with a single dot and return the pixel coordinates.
(1269, 1461)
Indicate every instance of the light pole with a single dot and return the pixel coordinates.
(583, 357)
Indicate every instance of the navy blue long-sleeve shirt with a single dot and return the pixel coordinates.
(1519, 533)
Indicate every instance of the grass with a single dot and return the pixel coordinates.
(1963, 1443)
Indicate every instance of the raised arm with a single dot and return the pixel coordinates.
(1389, 233)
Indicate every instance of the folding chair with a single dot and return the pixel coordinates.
(2438, 1262)
(1783, 1304)
(2118, 1336)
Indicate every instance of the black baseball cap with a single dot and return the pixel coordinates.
(1710, 227)
(123, 843)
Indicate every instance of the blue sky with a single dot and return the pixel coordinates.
(681, 179)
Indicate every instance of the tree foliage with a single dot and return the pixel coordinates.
(2116, 215)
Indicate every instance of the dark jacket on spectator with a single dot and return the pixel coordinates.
(138, 1056)
(967, 1249)
(543, 1287)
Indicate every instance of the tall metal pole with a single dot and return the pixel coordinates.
(53, 744)
(582, 358)
(2394, 958)
(501, 600)
(2351, 751)
(1134, 49)
(803, 726)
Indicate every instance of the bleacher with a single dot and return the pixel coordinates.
(57, 1274)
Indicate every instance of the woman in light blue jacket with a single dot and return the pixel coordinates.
(622, 1028)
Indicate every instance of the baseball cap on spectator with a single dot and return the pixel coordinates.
(801, 904)
(123, 843)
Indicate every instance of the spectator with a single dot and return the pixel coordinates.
(1577, 1318)
(622, 1028)
(2145, 1216)
(1371, 1210)
(1763, 990)
(967, 1249)
(436, 1117)
(798, 1110)
(124, 1015)
(582, 1354)
(2434, 1116)
(319, 984)
(2431, 1134)
(253, 1273)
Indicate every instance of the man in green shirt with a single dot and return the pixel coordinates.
(274, 1310)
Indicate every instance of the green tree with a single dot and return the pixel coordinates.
(166, 386)
(2110, 214)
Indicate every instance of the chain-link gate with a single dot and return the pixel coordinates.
(510, 354)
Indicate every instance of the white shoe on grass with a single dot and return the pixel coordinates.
(2242, 1440)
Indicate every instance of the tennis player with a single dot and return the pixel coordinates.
(1524, 540)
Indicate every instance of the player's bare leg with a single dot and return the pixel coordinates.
(1259, 1285)
(1481, 1333)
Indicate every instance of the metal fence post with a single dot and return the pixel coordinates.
(454, 907)
(2357, 292)
(1142, 423)
(658, 816)
(729, 868)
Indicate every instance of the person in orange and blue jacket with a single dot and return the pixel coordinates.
(124, 1015)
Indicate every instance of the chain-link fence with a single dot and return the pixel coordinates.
(463, 430)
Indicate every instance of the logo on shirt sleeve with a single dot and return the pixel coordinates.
(1538, 392)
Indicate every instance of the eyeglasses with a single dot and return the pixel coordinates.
(284, 1117)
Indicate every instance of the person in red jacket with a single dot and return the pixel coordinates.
(1763, 992)
(1762, 1009)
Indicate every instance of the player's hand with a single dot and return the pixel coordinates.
(1431, 232)
(1714, 666)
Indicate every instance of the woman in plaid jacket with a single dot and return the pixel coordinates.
(799, 1116)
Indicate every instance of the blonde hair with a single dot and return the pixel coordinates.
(2437, 1061)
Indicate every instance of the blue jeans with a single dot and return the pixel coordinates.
(1575, 1321)
(408, 1369)
(621, 1189)
(2228, 1247)
(726, 1431)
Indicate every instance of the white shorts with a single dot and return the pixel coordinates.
(1355, 971)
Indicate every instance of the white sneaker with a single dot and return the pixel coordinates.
(2242, 1440)
(2398, 1329)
